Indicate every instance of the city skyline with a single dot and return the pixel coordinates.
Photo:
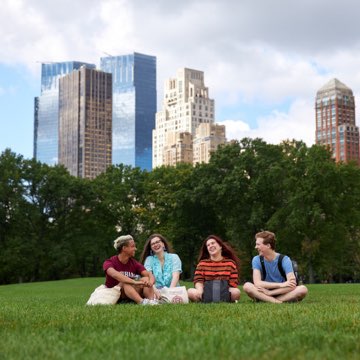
(264, 62)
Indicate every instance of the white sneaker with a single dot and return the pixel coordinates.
(149, 302)
(145, 302)
(154, 302)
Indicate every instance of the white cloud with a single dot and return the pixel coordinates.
(49, 31)
(298, 124)
(266, 75)
(247, 49)
(235, 129)
(252, 52)
(116, 35)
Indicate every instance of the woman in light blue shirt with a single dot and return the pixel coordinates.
(158, 258)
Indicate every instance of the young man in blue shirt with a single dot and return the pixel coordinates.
(272, 287)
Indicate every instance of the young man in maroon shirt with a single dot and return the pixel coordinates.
(135, 281)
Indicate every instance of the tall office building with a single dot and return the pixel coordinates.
(46, 111)
(186, 105)
(335, 121)
(85, 117)
(134, 107)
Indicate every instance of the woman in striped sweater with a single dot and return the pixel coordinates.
(217, 261)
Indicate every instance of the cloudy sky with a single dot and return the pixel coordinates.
(263, 60)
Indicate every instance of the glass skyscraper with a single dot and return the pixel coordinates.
(134, 107)
(46, 111)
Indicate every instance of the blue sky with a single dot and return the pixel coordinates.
(18, 89)
(263, 60)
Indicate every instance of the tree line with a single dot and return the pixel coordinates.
(55, 226)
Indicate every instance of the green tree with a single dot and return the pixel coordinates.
(171, 209)
(244, 185)
(310, 224)
(11, 190)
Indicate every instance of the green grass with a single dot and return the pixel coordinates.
(49, 320)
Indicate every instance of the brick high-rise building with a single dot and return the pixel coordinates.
(85, 122)
(335, 121)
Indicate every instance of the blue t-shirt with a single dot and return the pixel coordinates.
(163, 275)
(271, 267)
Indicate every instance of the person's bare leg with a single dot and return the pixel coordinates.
(234, 294)
(296, 295)
(149, 293)
(131, 293)
(194, 295)
(251, 290)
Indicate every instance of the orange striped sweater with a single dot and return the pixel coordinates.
(217, 270)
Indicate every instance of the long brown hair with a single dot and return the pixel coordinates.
(147, 247)
(227, 251)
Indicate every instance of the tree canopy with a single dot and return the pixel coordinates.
(55, 226)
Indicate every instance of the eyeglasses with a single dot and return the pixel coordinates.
(156, 242)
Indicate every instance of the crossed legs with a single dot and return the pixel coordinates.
(295, 295)
(136, 293)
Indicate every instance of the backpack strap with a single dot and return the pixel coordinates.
(280, 267)
(263, 272)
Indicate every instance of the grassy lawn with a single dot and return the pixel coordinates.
(49, 320)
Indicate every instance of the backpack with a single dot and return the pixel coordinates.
(216, 291)
(281, 269)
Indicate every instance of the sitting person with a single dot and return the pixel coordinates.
(159, 260)
(217, 261)
(273, 288)
(122, 269)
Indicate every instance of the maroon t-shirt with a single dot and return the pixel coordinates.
(130, 269)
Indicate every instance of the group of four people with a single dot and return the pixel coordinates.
(159, 267)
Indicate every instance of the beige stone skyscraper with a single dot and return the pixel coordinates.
(186, 105)
(335, 121)
(85, 122)
(207, 139)
(178, 148)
